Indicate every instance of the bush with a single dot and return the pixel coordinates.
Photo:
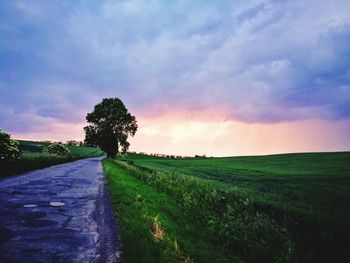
(57, 149)
(8, 147)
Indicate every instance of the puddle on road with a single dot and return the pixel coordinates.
(57, 204)
(30, 205)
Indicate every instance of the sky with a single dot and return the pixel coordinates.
(217, 77)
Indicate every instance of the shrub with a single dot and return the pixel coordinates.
(57, 149)
(8, 147)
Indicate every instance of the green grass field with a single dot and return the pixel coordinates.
(33, 158)
(154, 227)
(298, 206)
(310, 183)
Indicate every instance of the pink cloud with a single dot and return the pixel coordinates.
(223, 138)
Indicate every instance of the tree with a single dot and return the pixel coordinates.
(57, 149)
(8, 147)
(111, 125)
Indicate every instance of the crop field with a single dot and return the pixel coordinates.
(278, 208)
(33, 158)
(76, 151)
(309, 183)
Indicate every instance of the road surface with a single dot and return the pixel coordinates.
(58, 214)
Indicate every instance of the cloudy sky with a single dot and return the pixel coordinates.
(218, 77)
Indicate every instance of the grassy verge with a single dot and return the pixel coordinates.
(174, 218)
(153, 226)
(32, 158)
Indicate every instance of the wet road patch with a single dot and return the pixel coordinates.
(57, 204)
(46, 216)
(33, 215)
(40, 223)
(29, 205)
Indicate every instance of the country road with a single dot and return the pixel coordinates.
(58, 214)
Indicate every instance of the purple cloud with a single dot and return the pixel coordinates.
(264, 61)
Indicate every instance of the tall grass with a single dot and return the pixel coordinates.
(228, 216)
(153, 226)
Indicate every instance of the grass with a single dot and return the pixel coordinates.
(310, 183)
(33, 158)
(153, 225)
(297, 208)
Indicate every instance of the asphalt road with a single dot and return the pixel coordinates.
(58, 214)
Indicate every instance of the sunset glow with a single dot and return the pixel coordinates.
(221, 138)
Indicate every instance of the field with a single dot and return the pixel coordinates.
(278, 208)
(33, 158)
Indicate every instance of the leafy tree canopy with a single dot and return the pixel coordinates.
(8, 147)
(111, 125)
(57, 149)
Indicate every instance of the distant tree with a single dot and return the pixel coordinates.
(8, 147)
(46, 141)
(73, 142)
(57, 149)
(111, 125)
